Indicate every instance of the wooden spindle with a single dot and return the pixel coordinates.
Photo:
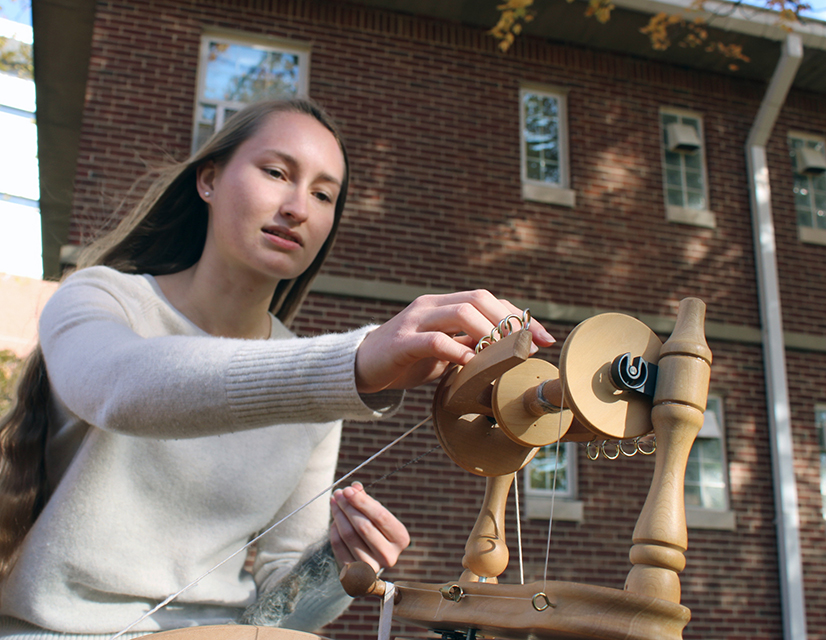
(486, 553)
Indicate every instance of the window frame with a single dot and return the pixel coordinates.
(538, 190)
(242, 39)
(701, 517)
(682, 214)
(811, 235)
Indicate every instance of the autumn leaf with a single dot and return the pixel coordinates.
(662, 29)
(513, 14)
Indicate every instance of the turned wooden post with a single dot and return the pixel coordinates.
(660, 537)
(486, 552)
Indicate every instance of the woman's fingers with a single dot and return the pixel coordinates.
(340, 549)
(415, 346)
(363, 529)
(541, 337)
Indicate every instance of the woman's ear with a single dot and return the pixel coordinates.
(206, 179)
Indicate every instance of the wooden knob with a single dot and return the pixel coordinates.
(359, 580)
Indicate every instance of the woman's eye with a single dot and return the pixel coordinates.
(324, 197)
(275, 173)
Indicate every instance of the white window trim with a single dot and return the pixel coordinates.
(719, 519)
(238, 37)
(808, 235)
(697, 518)
(537, 502)
(811, 236)
(536, 190)
(684, 215)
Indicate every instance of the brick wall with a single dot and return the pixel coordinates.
(431, 117)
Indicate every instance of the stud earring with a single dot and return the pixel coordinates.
(206, 194)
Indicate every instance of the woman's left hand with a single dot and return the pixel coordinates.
(363, 529)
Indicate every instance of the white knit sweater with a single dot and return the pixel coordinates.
(170, 448)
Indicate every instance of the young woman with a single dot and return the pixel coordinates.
(169, 414)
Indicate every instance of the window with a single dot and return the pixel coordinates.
(544, 145)
(235, 72)
(809, 163)
(684, 168)
(540, 484)
(820, 424)
(706, 476)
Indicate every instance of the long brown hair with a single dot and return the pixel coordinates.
(164, 233)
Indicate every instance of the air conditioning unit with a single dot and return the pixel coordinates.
(682, 138)
(809, 161)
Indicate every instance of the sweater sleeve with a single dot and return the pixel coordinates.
(113, 368)
(298, 585)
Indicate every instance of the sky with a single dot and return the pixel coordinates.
(16, 10)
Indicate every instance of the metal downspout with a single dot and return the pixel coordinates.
(774, 356)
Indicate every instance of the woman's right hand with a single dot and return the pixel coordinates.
(417, 345)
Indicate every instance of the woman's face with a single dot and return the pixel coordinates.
(272, 205)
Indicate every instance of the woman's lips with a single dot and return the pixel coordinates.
(283, 237)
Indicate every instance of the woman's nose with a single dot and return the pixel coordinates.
(295, 206)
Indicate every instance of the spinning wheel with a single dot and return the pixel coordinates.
(615, 380)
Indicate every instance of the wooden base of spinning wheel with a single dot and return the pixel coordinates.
(570, 611)
(232, 632)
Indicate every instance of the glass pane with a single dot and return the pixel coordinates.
(692, 496)
(692, 469)
(551, 174)
(243, 73)
(695, 200)
(712, 472)
(673, 159)
(206, 113)
(669, 118)
(801, 199)
(823, 479)
(542, 468)
(673, 177)
(692, 122)
(204, 131)
(712, 448)
(714, 498)
(538, 479)
(534, 170)
(694, 180)
(801, 185)
(675, 197)
(694, 161)
(804, 217)
(820, 424)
